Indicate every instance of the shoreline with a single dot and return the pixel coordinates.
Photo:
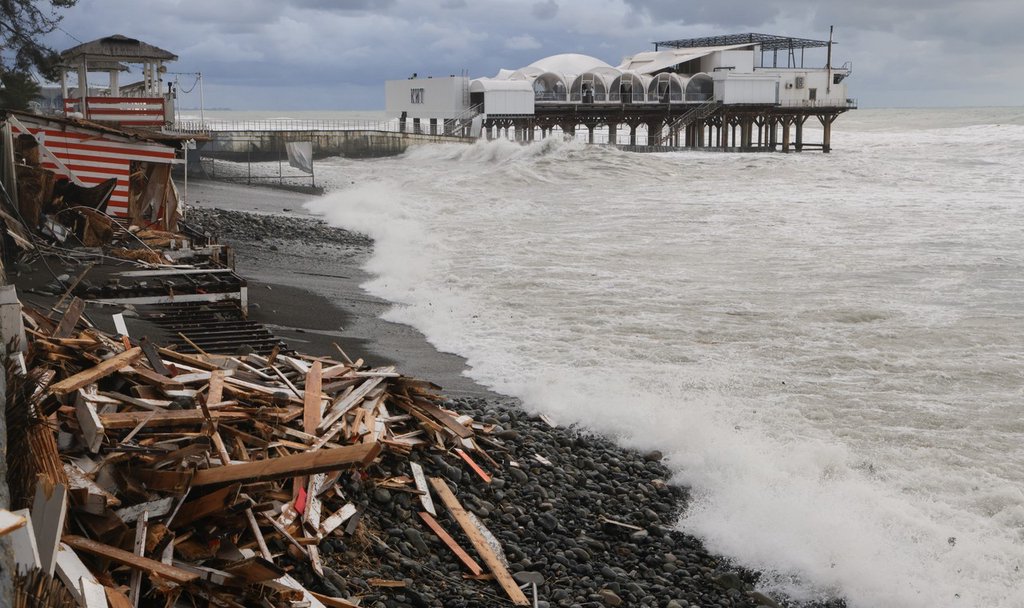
(322, 271)
(288, 259)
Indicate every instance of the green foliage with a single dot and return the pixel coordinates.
(17, 90)
(22, 23)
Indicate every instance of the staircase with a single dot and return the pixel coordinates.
(461, 124)
(693, 114)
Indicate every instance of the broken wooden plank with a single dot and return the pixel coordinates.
(73, 572)
(312, 413)
(71, 316)
(473, 465)
(23, 541)
(305, 463)
(421, 485)
(166, 418)
(254, 570)
(447, 539)
(89, 422)
(150, 377)
(340, 407)
(216, 501)
(135, 588)
(479, 542)
(155, 508)
(49, 508)
(95, 373)
(127, 558)
(153, 357)
(334, 521)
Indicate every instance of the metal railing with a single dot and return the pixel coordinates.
(285, 124)
(697, 113)
(818, 103)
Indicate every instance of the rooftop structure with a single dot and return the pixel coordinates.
(142, 103)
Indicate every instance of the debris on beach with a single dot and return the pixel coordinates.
(213, 477)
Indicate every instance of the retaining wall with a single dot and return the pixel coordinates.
(257, 146)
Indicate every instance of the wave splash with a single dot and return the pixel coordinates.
(573, 303)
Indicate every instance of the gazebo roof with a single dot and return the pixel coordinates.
(117, 48)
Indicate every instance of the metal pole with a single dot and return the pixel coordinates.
(828, 63)
(202, 101)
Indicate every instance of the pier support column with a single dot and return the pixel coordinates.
(590, 133)
(632, 135)
(826, 136)
(613, 133)
(800, 120)
(786, 122)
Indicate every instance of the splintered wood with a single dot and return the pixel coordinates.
(215, 466)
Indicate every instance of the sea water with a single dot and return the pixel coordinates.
(829, 349)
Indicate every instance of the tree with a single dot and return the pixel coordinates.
(22, 23)
(17, 89)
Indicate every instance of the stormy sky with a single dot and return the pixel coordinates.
(336, 54)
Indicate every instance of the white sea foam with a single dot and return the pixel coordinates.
(827, 348)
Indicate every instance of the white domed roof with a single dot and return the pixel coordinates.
(569, 63)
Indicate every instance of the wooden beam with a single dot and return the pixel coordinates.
(70, 318)
(421, 485)
(216, 501)
(476, 537)
(49, 508)
(473, 465)
(304, 463)
(459, 552)
(135, 588)
(128, 420)
(127, 558)
(312, 413)
(77, 578)
(93, 374)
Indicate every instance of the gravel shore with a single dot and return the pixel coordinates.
(552, 495)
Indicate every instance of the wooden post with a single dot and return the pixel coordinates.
(785, 134)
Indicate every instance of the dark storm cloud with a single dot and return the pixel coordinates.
(322, 53)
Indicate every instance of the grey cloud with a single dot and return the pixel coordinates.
(721, 13)
(453, 4)
(545, 10)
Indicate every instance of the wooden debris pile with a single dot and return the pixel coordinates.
(154, 477)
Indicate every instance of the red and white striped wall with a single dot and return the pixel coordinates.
(95, 156)
(127, 111)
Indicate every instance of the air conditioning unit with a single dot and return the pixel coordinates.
(799, 82)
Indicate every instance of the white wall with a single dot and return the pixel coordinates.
(440, 97)
(732, 88)
(742, 61)
(792, 93)
(508, 102)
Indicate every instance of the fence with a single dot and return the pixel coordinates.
(261, 166)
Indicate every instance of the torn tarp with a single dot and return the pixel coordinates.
(300, 155)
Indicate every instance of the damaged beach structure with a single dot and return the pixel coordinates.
(741, 92)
